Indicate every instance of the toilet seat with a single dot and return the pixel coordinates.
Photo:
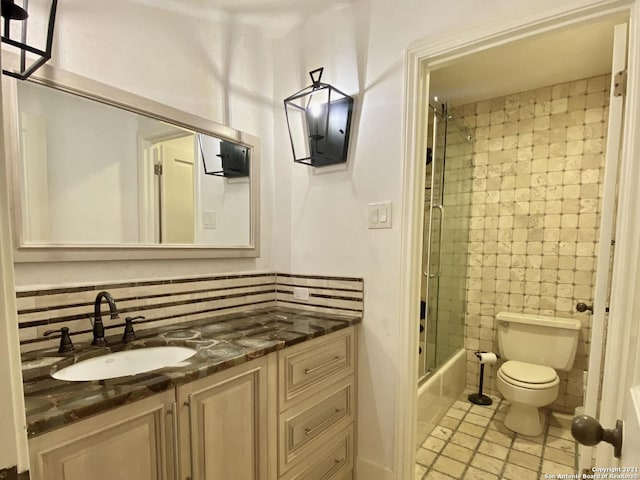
(528, 375)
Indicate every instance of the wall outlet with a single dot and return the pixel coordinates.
(301, 293)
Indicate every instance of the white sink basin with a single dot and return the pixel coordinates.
(125, 363)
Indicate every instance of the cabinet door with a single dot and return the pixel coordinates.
(224, 422)
(128, 443)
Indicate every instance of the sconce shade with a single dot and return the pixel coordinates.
(224, 158)
(319, 123)
(12, 11)
(17, 36)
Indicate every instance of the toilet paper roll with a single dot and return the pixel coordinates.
(487, 358)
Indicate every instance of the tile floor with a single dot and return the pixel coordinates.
(471, 443)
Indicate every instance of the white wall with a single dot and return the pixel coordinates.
(321, 222)
(191, 57)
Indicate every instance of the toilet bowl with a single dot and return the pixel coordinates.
(535, 347)
(528, 387)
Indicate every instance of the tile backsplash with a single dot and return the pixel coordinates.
(176, 300)
(538, 168)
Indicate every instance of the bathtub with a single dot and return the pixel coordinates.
(438, 392)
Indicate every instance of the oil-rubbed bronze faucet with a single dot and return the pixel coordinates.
(66, 346)
(98, 327)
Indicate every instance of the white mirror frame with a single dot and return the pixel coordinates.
(91, 89)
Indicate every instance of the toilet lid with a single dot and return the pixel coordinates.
(528, 372)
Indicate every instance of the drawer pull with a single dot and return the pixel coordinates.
(336, 466)
(307, 371)
(322, 424)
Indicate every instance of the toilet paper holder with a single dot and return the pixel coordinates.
(488, 358)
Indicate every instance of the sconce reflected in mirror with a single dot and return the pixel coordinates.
(223, 158)
(319, 123)
(20, 17)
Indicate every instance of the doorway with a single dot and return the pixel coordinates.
(167, 179)
(436, 63)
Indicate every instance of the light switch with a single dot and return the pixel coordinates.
(209, 220)
(380, 215)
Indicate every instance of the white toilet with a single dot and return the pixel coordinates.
(535, 347)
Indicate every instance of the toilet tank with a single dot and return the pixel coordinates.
(549, 341)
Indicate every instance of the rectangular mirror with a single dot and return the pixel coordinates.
(99, 173)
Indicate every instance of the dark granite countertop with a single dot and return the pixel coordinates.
(221, 343)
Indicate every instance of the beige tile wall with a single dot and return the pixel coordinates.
(538, 168)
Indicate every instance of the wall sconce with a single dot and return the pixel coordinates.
(319, 121)
(234, 158)
(11, 12)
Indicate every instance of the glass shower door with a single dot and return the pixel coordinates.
(447, 212)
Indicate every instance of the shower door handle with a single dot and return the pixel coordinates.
(440, 207)
(427, 257)
(425, 268)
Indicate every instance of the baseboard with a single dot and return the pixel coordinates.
(366, 470)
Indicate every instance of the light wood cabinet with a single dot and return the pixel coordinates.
(224, 423)
(219, 432)
(307, 368)
(317, 408)
(305, 426)
(128, 443)
(288, 415)
(332, 460)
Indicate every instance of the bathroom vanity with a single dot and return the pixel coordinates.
(271, 392)
(273, 398)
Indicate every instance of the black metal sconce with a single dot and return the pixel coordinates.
(234, 159)
(319, 122)
(12, 12)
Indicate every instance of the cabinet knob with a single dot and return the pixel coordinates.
(588, 431)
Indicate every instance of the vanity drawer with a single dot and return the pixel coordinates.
(306, 368)
(309, 425)
(332, 461)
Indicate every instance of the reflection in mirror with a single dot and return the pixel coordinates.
(234, 157)
(94, 174)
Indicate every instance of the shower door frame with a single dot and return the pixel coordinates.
(442, 113)
(430, 54)
(426, 265)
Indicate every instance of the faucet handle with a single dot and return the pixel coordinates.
(66, 346)
(129, 334)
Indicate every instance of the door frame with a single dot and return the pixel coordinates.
(624, 306)
(431, 53)
(13, 442)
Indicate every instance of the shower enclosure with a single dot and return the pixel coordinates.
(446, 238)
